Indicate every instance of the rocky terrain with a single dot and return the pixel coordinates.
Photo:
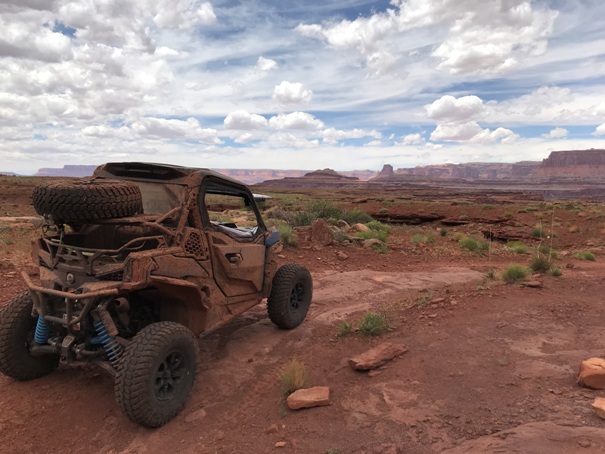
(479, 365)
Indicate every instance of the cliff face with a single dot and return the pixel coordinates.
(574, 164)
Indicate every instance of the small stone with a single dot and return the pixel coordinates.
(377, 356)
(453, 302)
(281, 256)
(196, 415)
(371, 242)
(599, 407)
(592, 373)
(584, 444)
(533, 284)
(569, 265)
(309, 398)
(272, 429)
(360, 228)
(438, 300)
(432, 315)
(280, 444)
(360, 200)
(341, 255)
(343, 225)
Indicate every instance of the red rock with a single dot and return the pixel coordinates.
(533, 284)
(321, 233)
(592, 373)
(377, 356)
(599, 407)
(280, 444)
(309, 397)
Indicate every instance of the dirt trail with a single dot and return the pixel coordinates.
(500, 358)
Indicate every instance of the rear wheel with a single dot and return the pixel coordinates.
(156, 373)
(17, 328)
(290, 296)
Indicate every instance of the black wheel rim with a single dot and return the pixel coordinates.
(297, 296)
(169, 376)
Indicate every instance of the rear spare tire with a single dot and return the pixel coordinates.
(87, 200)
(290, 296)
(156, 373)
(17, 327)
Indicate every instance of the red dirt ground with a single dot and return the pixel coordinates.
(491, 366)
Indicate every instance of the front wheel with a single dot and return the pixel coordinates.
(290, 296)
(156, 373)
(17, 327)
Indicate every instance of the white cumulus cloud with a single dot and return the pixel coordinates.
(413, 139)
(291, 93)
(451, 109)
(169, 129)
(242, 119)
(266, 64)
(295, 120)
(556, 133)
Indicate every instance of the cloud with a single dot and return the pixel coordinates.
(182, 14)
(242, 119)
(266, 64)
(483, 35)
(287, 140)
(295, 120)
(333, 135)
(556, 133)
(165, 129)
(450, 109)
(600, 131)
(291, 93)
(413, 139)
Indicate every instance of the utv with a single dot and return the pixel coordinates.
(135, 263)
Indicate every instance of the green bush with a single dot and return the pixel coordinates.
(514, 273)
(356, 217)
(472, 244)
(539, 264)
(379, 227)
(382, 236)
(373, 324)
(443, 232)
(345, 329)
(340, 236)
(537, 231)
(585, 255)
(517, 246)
(555, 271)
(381, 248)
(293, 376)
(547, 251)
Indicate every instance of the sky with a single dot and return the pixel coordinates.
(285, 84)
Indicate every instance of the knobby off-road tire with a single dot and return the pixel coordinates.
(86, 200)
(290, 296)
(156, 373)
(17, 327)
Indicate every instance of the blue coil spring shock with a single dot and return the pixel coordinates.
(42, 333)
(111, 346)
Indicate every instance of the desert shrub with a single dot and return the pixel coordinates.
(458, 236)
(382, 236)
(383, 211)
(463, 216)
(555, 271)
(293, 376)
(443, 232)
(356, 216)
(345, 329)
(537, 231)
(287, 235)
(418, 238)
(488, 206)
(373, 324)
(547, 250)
(514, 273)
(340, 236)
(585, 255)
(382, 248)
(471, 244)
(491, 274)
(539, 264)
(517, 246)
(508, 214)
(379, 226)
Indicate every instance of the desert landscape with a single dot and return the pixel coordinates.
(495, 293)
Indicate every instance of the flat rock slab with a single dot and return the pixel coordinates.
(377, 356)
(599, 407)
(317, 396)
(537, 438)
(592, 373)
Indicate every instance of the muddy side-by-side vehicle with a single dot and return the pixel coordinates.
(135, 263)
